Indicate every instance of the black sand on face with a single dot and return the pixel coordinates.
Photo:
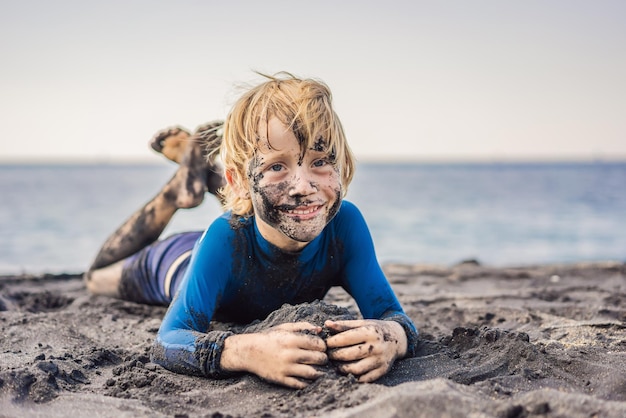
(544, 341)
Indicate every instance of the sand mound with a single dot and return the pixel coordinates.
(535, 341)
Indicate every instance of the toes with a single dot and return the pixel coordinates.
(210, 127)
(210, 135)
(158, 141)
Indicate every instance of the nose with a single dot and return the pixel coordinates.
(302, 183)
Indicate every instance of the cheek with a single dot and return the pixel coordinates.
(335, 188)
(333, 182)
(269, 192)
(255, 176)
(335, 208)
(267, 198)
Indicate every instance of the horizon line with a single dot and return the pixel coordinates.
(365, 159)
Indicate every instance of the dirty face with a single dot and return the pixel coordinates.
(294, 194)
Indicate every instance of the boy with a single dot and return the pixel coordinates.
(287, 236)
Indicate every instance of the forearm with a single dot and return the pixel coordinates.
(409, 330)
(238, 353)
(398, 336)
(189, 352)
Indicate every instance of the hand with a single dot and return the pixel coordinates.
(366, 348)
(283, 354)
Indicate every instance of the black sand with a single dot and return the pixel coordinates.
(544, 341)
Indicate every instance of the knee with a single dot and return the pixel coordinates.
(104, 281)
(88, 280)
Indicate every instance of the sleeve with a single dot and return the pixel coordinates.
(363, 277)
(183, 343)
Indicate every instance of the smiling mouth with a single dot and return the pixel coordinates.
(303, 211)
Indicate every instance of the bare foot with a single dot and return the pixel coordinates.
(171, 142)
(188, 186)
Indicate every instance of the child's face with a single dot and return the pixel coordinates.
(294, 197)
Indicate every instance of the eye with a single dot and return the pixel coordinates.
(320, 163)
(275, 167)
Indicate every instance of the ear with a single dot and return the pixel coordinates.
(234, 180)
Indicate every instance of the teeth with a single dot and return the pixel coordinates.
(303, 211)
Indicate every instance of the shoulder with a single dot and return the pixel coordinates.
(349, 214)
(349, 225)
(224, 229)
(229, 223)
(348, 210)
(348, 207)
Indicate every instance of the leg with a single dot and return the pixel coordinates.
(185, 189)
(171, 143)
(105, 281)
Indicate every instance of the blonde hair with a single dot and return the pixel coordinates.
(305, 106)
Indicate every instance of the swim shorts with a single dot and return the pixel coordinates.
(152, 274)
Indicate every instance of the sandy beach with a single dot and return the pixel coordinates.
(545, 341)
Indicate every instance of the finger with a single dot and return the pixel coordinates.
(373, 375)
(293, 383)
(299, 327)
(311, 342)
(303, 371)
(350, 337)
(312, 357)
(360, 367)
(341, 326)
(355, 352)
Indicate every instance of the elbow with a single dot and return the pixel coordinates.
(175, 357)
(158, 353)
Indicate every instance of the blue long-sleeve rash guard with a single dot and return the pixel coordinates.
(236, 275)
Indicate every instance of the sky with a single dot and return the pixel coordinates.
(412, 80)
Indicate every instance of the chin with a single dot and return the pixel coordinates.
(301, 232)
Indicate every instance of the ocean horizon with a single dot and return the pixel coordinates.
(54, 216)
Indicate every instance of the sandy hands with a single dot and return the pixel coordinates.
(285, 354)
(366, 348)
(288, 354)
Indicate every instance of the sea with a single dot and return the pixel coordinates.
(54, 217)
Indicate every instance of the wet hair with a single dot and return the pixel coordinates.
(305, 107)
